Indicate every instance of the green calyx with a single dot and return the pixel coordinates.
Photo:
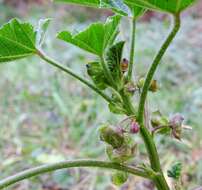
(111, 137)
(119, 178)
(122, 154)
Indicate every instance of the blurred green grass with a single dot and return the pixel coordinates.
(46, 116)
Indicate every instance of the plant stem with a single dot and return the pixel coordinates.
(70, 72)
(147, 137)
(127, 103)
(132, 50)
(159, 180)
(69, 164)
(154, 66)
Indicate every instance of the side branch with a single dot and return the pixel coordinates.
(70, 164)
(70, 72)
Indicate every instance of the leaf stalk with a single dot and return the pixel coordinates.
(70, 72)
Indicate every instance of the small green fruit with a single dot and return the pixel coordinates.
(111, 136)
(119, 178)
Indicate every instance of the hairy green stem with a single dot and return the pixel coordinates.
(147, 137)
(159, 180)
(70, 72)
(132, 50)
(154, 66)
(69, 164)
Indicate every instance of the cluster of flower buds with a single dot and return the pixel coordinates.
(173, 125)
(154, 87)
(119, 148)
(160, 123)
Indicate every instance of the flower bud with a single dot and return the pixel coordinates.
(119, 178)
(141, 82)
(111, 136)
(135, 127)
(176, 124)
(124, 65)
(130, 87)
(176, 120)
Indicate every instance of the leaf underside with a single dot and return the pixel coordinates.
(117, 6)
(17, 40)
(171, 6)
(95, 71)
(113, 59)
(121, 7)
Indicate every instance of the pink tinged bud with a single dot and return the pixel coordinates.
(176, 120)
(134, 127)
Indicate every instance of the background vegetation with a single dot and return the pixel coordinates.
(46, 116)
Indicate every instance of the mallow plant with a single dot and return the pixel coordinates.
(111, 75)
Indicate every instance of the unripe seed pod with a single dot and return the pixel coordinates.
(119, 178)
(124, 65)
(135, 127)
(111, 136)
(154, 86)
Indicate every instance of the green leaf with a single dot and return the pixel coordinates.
(175, 171)
(89, 3)
(17, 40)
(136, 11)
(126, 9)
(95, 71)
(171, 6)
(95, 38)
(117, 6)
(113, 58)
